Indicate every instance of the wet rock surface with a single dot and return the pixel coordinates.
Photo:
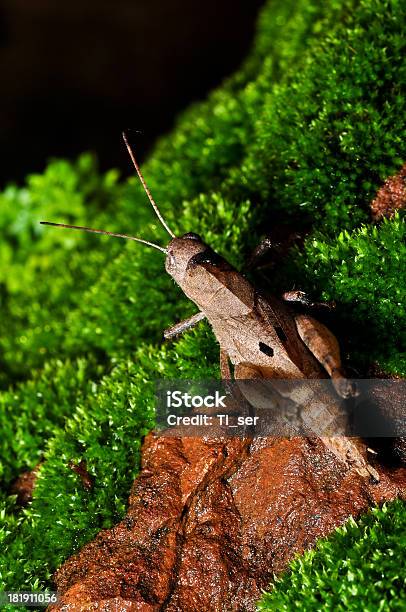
(211, 520)
(24, 486)
(391, 196)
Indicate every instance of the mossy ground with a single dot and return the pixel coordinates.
(357, 568)
(305, 133)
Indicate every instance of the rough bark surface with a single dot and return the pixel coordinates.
(211, 520)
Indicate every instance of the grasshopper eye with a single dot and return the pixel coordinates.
(192, 236)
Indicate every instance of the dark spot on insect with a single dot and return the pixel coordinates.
(264, 348)
(192, 236)
(281, 334)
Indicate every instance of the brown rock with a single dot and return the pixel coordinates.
(211, 520)
(391, 196)
(24, 486)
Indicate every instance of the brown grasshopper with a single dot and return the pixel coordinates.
(261, 336)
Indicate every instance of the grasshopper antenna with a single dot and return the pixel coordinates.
(98, 231)
(147, 191)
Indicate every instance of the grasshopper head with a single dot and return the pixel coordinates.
(180, 252)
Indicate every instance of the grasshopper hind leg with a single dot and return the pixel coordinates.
(324, 346)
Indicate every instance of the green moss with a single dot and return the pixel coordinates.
(361, 272)
(333, 129)
(104, 429)
(35, 411)
(305, 132)
(44, 273)
(367, 577)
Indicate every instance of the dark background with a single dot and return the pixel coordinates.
(74, 74)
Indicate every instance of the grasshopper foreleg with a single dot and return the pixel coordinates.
(182, 326)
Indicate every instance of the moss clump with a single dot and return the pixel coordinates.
(104, 429)
(43, 274)
(331, 131)
(368, 576)
(361, 270)
(37, 410)
(307, 130)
